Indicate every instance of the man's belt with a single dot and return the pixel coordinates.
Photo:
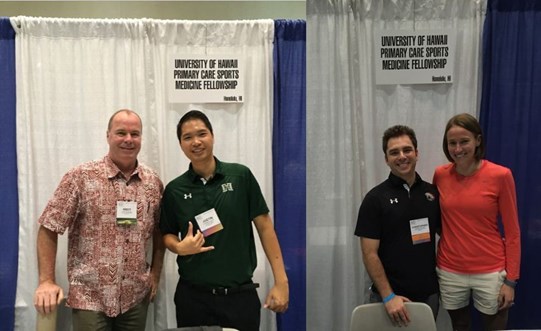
(221, 290)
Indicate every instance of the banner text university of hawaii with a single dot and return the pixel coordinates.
(414, 57)
(205, 79)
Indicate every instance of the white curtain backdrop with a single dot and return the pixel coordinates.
(346, 116)
(72, 74)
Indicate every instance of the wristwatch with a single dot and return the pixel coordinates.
(510, 283)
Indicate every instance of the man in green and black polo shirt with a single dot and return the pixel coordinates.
(207, 216)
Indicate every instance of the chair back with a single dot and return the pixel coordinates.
(46, 322)
(373, 316)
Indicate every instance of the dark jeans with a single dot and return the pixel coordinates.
(433, 301)
(196, 307)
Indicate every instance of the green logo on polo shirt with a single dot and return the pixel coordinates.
(227, 187)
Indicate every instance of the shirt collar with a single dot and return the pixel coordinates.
(217, 172)
(113, 171)
(397, 181)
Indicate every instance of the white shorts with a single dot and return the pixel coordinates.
(455, 290)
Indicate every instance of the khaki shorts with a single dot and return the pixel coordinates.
(456, 289)
(132, 320)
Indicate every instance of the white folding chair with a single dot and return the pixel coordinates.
(46, 322)
(373, 316)
(52, 321)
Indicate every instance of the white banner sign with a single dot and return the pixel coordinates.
(414, 57)
(205, 79)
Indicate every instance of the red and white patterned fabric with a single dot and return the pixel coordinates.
(107, 265)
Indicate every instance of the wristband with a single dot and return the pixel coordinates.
(388, 298)
(510, 283)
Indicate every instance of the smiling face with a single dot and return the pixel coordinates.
(124, 137)
(462, 145)
(197, 141)
(401, 157)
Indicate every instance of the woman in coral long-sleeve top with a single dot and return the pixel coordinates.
(474, 258)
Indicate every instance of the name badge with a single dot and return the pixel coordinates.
(126, 212)
(209, 222)
(420, 231)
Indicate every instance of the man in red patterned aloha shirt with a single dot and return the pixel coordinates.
(111, 207)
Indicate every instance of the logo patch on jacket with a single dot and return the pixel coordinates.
(429, 196)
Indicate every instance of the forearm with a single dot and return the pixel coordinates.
(48, 294)
(512, 246)
(512, 257)
(271, 246)
(376, 272)
(158, 252)
(507, 205)
(171, 243)
(47, 243)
